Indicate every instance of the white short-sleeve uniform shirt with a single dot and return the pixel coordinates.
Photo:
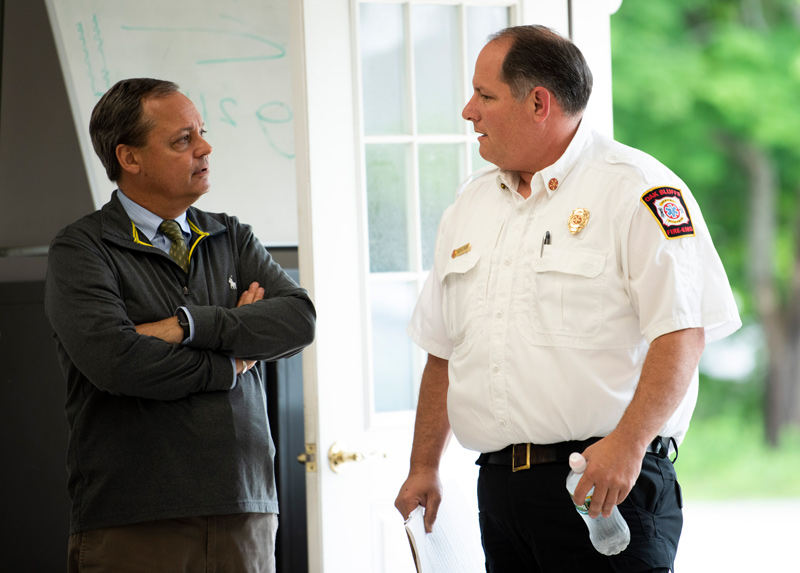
(546, 338)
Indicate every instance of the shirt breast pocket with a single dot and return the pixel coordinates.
(460, 300)
(567, 292)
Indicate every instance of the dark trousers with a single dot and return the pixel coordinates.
(236, 543)
(529, 524)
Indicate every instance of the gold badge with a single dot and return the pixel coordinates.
(577, 220)
(460, 251)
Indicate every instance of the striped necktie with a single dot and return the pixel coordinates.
(178, 250)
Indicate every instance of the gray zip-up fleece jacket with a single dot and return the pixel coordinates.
(156, 431)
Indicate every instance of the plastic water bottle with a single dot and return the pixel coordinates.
(609, 535)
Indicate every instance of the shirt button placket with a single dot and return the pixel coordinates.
(501, 302)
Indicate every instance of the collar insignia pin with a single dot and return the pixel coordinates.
(577, 220)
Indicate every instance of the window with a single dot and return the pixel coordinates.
(416, 64)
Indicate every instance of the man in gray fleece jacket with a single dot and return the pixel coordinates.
(160, 312)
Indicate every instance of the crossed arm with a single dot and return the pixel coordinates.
(170, 331)
(91, 313)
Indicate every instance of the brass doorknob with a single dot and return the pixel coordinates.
(337, 457)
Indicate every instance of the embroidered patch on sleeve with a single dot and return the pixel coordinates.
(669, 209)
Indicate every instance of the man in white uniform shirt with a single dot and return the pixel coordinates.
(573, 290)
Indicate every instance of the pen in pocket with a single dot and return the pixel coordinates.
(545, 241)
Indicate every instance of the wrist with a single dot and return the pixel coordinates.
(420, 468)
(633, 438)
(183, 322)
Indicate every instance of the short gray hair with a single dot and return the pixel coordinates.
(539, 56)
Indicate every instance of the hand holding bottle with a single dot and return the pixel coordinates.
(609, 535)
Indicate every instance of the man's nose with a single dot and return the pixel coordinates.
(204, 148)
(468, 112)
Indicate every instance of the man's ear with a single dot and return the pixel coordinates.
(128, 158)
(540, 100)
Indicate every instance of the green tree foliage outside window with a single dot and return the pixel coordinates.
(712, 89)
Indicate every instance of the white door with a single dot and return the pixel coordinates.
(380, 149)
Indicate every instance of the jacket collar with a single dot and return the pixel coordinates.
(117, 225)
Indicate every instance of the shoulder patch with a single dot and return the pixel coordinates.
(669, 209)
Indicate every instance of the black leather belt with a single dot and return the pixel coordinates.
(523, 456)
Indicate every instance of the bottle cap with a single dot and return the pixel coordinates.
(577, 462)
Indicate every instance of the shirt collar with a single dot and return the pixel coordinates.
(146, 221)
(557, 172)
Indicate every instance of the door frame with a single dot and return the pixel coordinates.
(329, 180)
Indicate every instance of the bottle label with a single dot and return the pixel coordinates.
(584, 509)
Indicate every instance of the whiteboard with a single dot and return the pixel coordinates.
(229, 57)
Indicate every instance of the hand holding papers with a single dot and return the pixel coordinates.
(454, 546)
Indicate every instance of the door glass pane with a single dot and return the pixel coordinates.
(436, 68)
(393, 355)
(482, 21)
(388, 207)
(441, 168)
(383, 64)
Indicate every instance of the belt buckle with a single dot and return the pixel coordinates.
(527, 464)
